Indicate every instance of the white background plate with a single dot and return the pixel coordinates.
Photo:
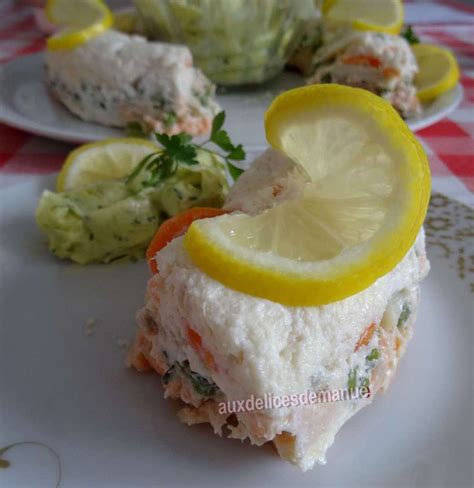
(111, 427)
(26, 104)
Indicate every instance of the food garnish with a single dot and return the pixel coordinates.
(359, 214)
(109, 159)
(177, 226)
(410, 35)
(438, 71)
(79, 21)
(113, 194)
(386, 16)
(179, 149)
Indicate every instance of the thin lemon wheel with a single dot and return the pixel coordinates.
(102, 161)
(373, 15)
(360, 211)
(79, 20)
(438, 71)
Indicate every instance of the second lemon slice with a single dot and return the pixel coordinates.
(101, 161)
(80, 21)
(438, 71)
(360, 212)
(375, 15)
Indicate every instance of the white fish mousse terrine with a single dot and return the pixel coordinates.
(116, 78)
(216, 348)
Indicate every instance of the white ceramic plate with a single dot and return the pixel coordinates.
(110, 426)
(26, 104)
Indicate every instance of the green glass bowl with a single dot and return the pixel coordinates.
(234, 42)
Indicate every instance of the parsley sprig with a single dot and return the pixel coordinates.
(221, 139)
(409, 34)
(179, 150)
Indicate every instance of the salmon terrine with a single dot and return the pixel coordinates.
(381, 63)
(116, 78)
(215, 347)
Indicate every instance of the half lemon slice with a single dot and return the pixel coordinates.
(79, 20)
(374, 15)
(360, 212)
(438, 71)
(109, 159)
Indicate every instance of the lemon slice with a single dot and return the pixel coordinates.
(101, 161)
(80, 20)
(374, 15)
(360, 212)
(438, 71)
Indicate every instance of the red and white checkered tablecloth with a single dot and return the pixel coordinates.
(449, 143)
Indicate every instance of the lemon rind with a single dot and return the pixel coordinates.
(62, 179)
(360, 25)
(448, 82)
(65, 40)
(386, 251)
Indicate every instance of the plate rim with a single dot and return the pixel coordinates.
(17, 120)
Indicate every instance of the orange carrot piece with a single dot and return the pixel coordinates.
(174, 227)
(276, 190)
(390, 72)
(364, 339)
(209, 360)
(195, 341)
(363, 59)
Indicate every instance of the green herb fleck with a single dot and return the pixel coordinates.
(409, 34)
(135, 129)
(355, 379)
(403, 316)
(202, 385)
(166, 378)
(203, 97)
(373, 356)
(352, 381)
(170, 120)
